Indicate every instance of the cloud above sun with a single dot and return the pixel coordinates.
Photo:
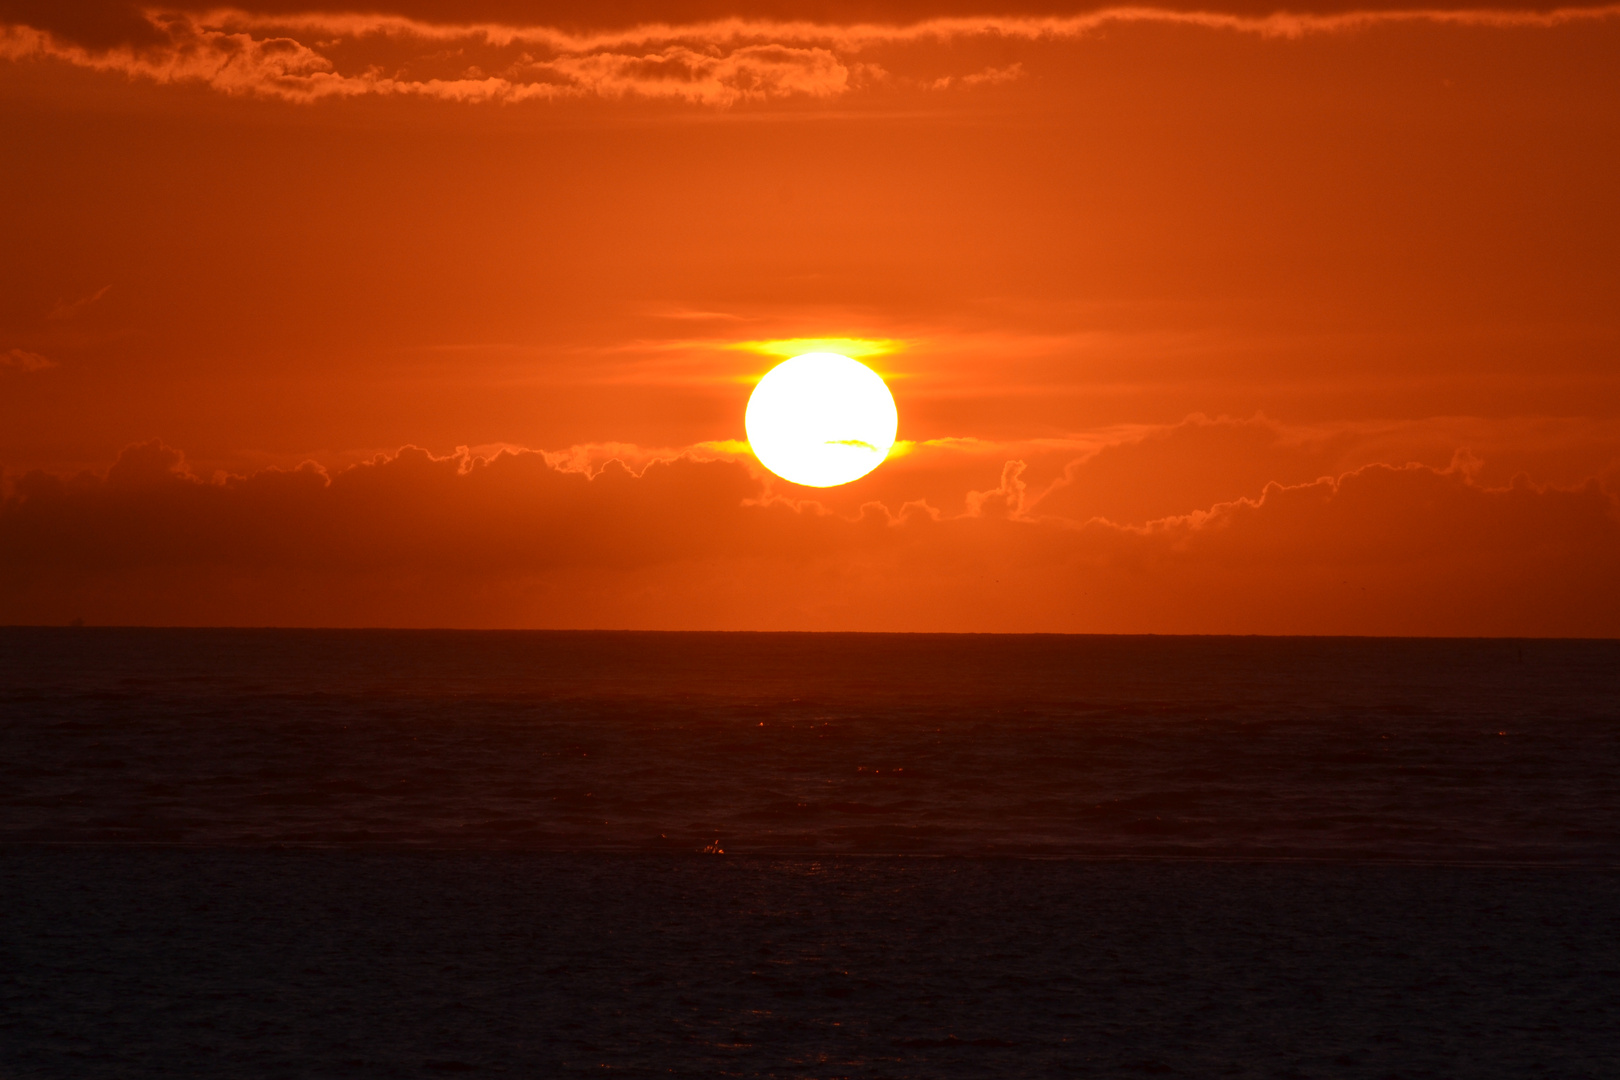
(314, 56)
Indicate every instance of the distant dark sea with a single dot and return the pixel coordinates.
(298, 853)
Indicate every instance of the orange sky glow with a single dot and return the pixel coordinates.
(1200, 318)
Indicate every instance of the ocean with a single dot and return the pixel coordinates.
(302, 853)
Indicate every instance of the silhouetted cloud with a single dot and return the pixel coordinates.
(96, 24)
(516, 539)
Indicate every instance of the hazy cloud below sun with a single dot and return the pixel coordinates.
(705, 540)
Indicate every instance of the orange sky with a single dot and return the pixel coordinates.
(1201, 318)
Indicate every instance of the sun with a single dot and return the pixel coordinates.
(821, 419)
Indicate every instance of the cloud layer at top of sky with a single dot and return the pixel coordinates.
(308, 56)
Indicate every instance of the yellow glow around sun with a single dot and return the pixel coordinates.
(821, 419)
(857, 347)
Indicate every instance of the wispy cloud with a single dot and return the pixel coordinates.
(24, 360)
(236, 54)
(855, 36)
(67, 309)
(308, 57)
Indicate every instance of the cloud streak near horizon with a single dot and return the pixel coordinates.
(521, 538)
(309, 57)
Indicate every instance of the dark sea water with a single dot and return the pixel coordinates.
(371, 853)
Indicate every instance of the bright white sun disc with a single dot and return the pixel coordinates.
(821, 419)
